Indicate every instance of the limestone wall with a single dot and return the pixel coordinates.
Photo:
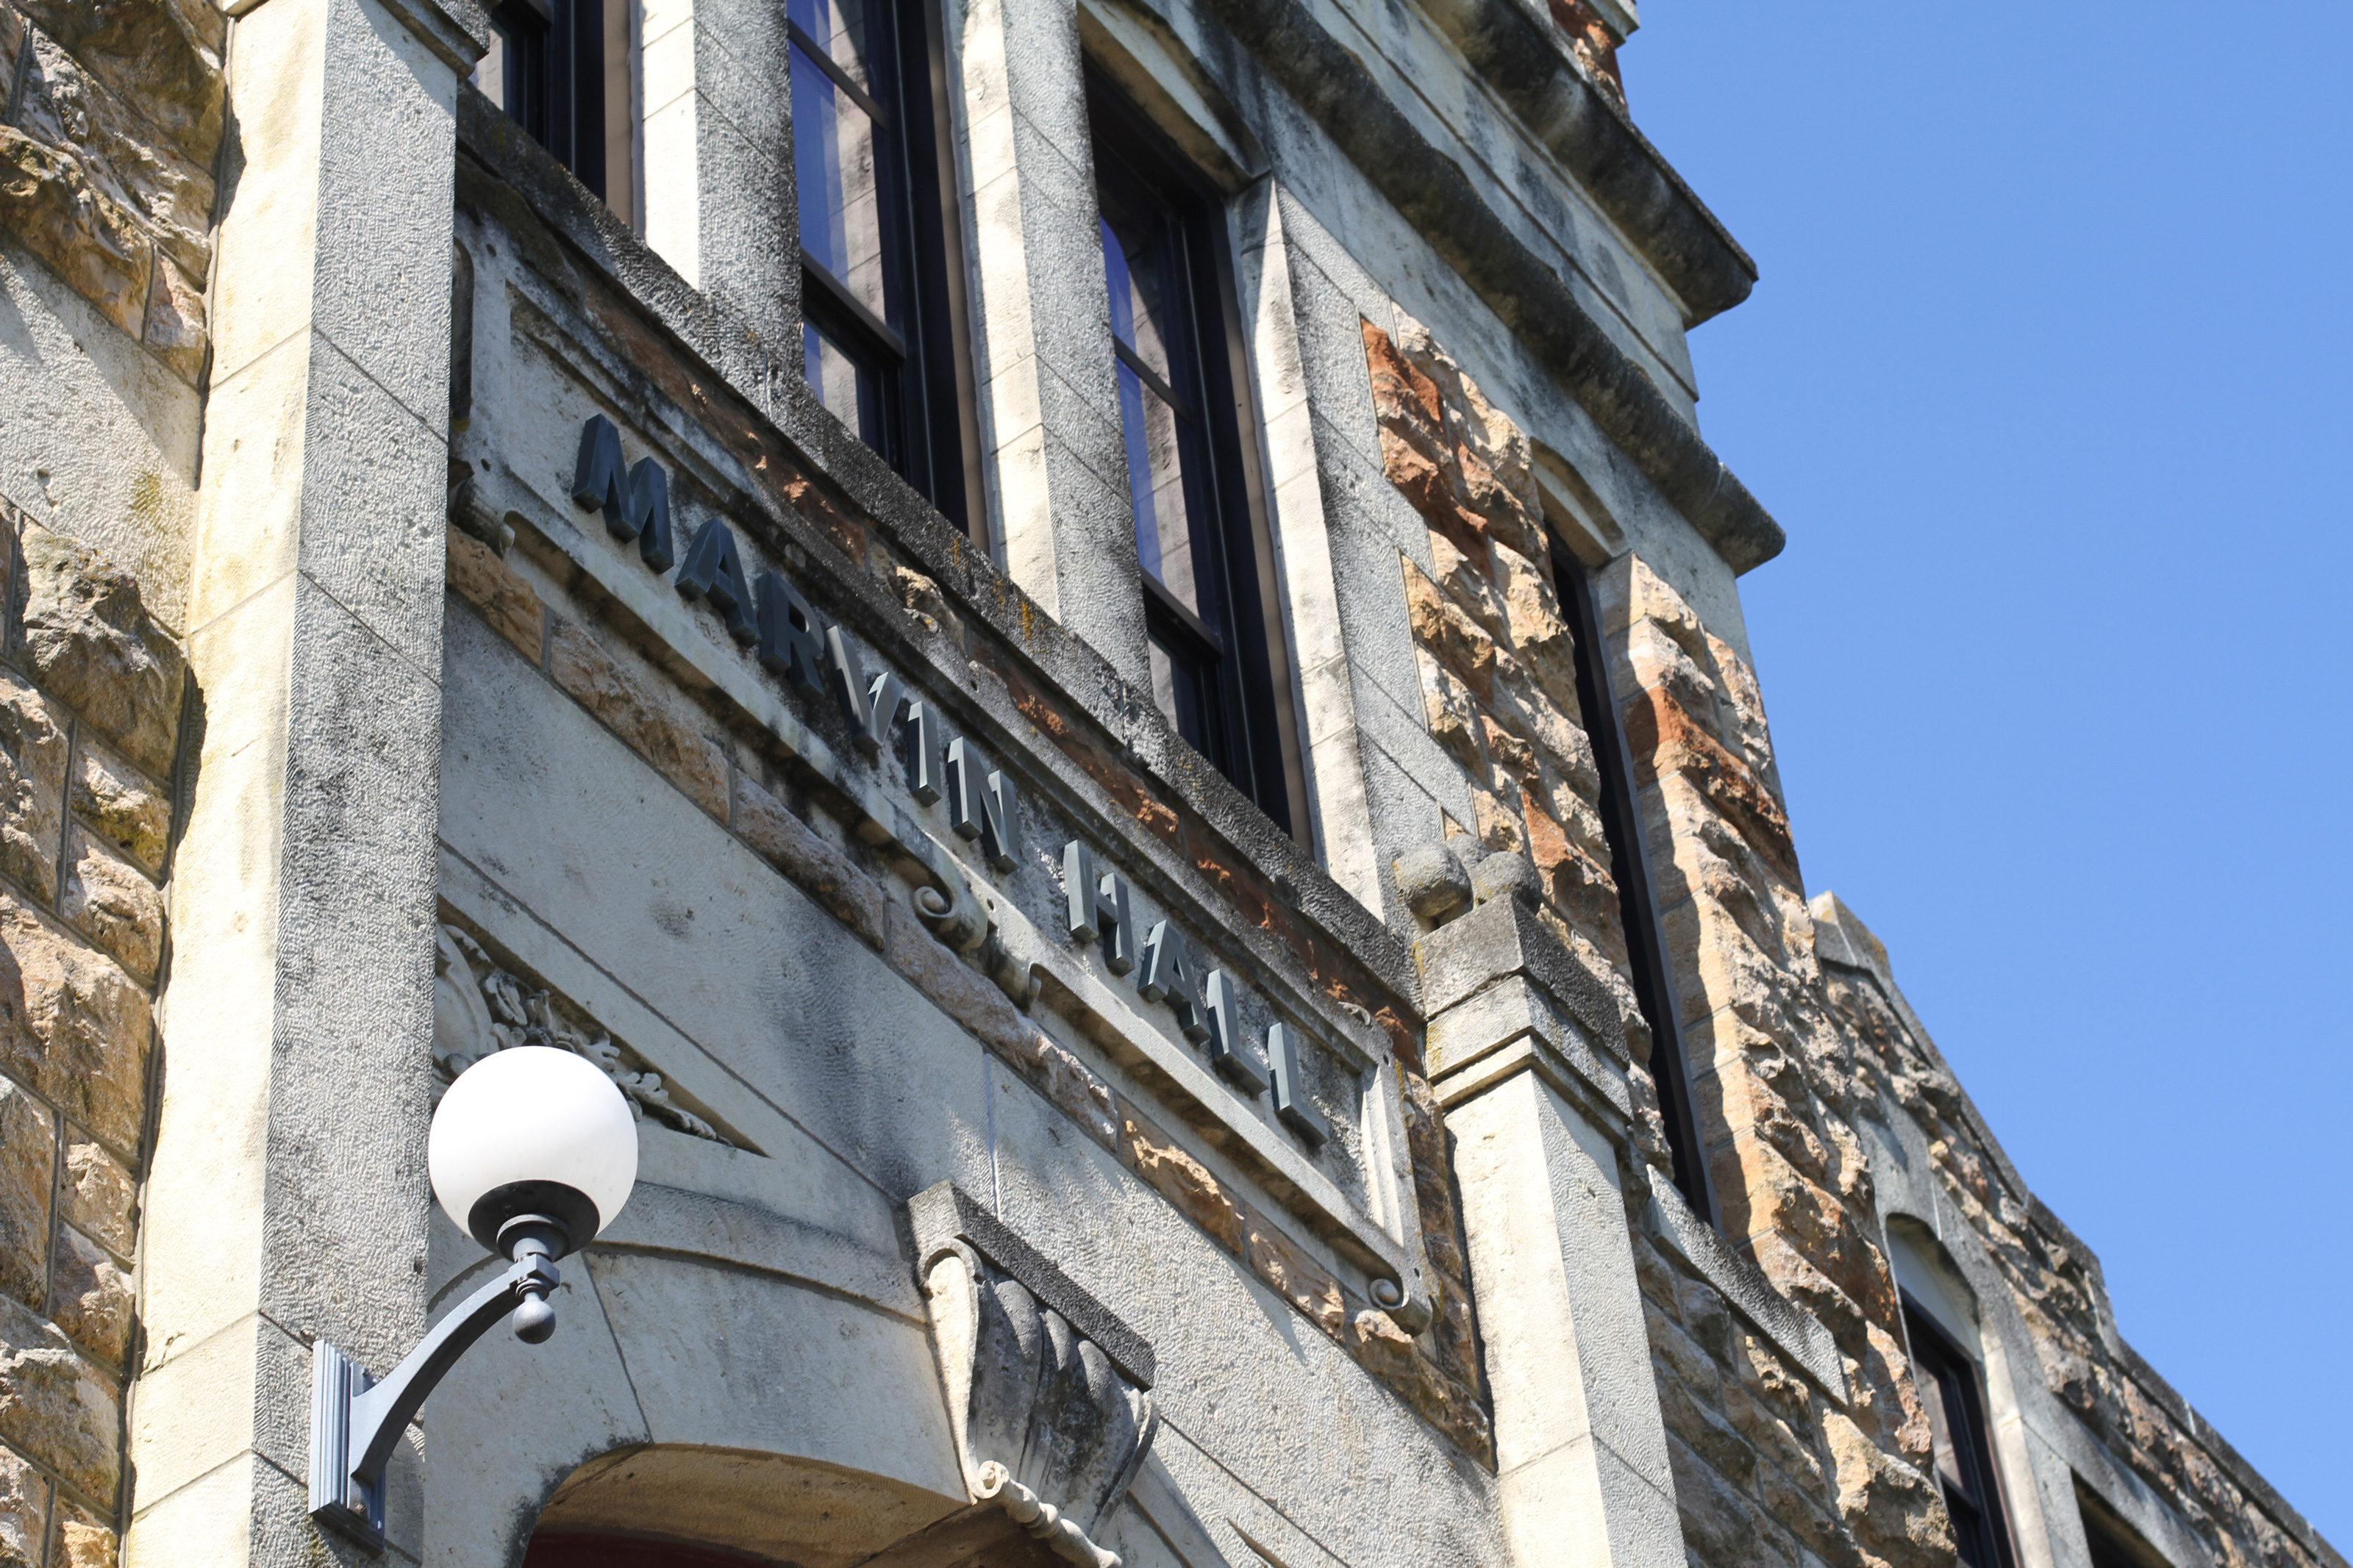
(91, 704)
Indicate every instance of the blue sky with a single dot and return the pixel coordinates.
(2047, 378)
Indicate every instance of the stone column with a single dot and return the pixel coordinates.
(1047, 395)
(287, 1195)
(1524, 1056)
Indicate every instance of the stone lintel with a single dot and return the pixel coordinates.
(1514, 1027)
(945, 1214)
(1794, 1331)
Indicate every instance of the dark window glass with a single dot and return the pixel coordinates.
(2114, 1543)
(878, 340)
(1955, 1398)
(546, 68)
(1638, 906)
(1162, 234)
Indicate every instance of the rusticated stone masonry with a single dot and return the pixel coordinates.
(1890, 1069)
(1767, 1466)
(113, 118)
(91, 697)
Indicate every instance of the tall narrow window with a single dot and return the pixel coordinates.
(878, 342)
(1637, 904)
(554, 68)
(1204, 602)
(1954, 1397)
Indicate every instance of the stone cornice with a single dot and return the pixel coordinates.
(1125, 723)
(1434, 194)
(1522, 59)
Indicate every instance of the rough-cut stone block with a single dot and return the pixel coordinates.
(176, 331)
(28, 1149)
(677, 751)
(1073, 1088)
(163, 55)
(23, 1513)
(74, 1026)
(87, 239)
(98, 1196)
(1295, 1276)
(120, 152)
(32, 785)
(512, 605)
(122, 806)
(90, 1298)
(79, 1539)
(113, 902)
(1181, 1178)
(91, 645)
(816, 867)
(57, 1407)
(970, 998)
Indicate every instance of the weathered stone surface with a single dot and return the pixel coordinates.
(647, 725)
(119, 153)
(89, 643)
(511, 605)
(1432, 880)
(74, 1026)
(1181, 1178)
(56, 1406)
(80, 1539)
(163, 55)
(87, 238)
(91, 1297)
(98, 1196)
(28, 1149)
(176, 332)
(816, 867)
(32, 786)
(1068, 1084)
(122, 806)
(112, 900)
(1296, 1277)
(24, 1512)
(963, 993)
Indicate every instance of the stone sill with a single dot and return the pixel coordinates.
(1793, 1330)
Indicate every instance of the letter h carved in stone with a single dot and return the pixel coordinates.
(1048, 1393)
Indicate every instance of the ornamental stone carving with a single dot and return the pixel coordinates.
(1049, 1393)
(479, 1008)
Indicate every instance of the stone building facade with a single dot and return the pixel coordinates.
(1091, 648)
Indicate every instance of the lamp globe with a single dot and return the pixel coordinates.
(532, 1148)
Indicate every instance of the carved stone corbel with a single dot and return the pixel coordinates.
(1049, 1393)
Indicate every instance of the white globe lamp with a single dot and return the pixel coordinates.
(534, 1150)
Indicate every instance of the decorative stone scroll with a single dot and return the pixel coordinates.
(479, 1008)
(1049, 1393)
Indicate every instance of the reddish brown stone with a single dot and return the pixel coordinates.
(1664, 738)
(677, 751)
(1181, 1178)
(816, 867)
(509, 603)
(80, 1539)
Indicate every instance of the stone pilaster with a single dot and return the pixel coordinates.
(1529, 1063)
(287, 1195)
(1050, 402)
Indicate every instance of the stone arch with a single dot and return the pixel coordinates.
(678, 1506)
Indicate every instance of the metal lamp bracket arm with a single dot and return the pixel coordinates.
(356, 1421)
